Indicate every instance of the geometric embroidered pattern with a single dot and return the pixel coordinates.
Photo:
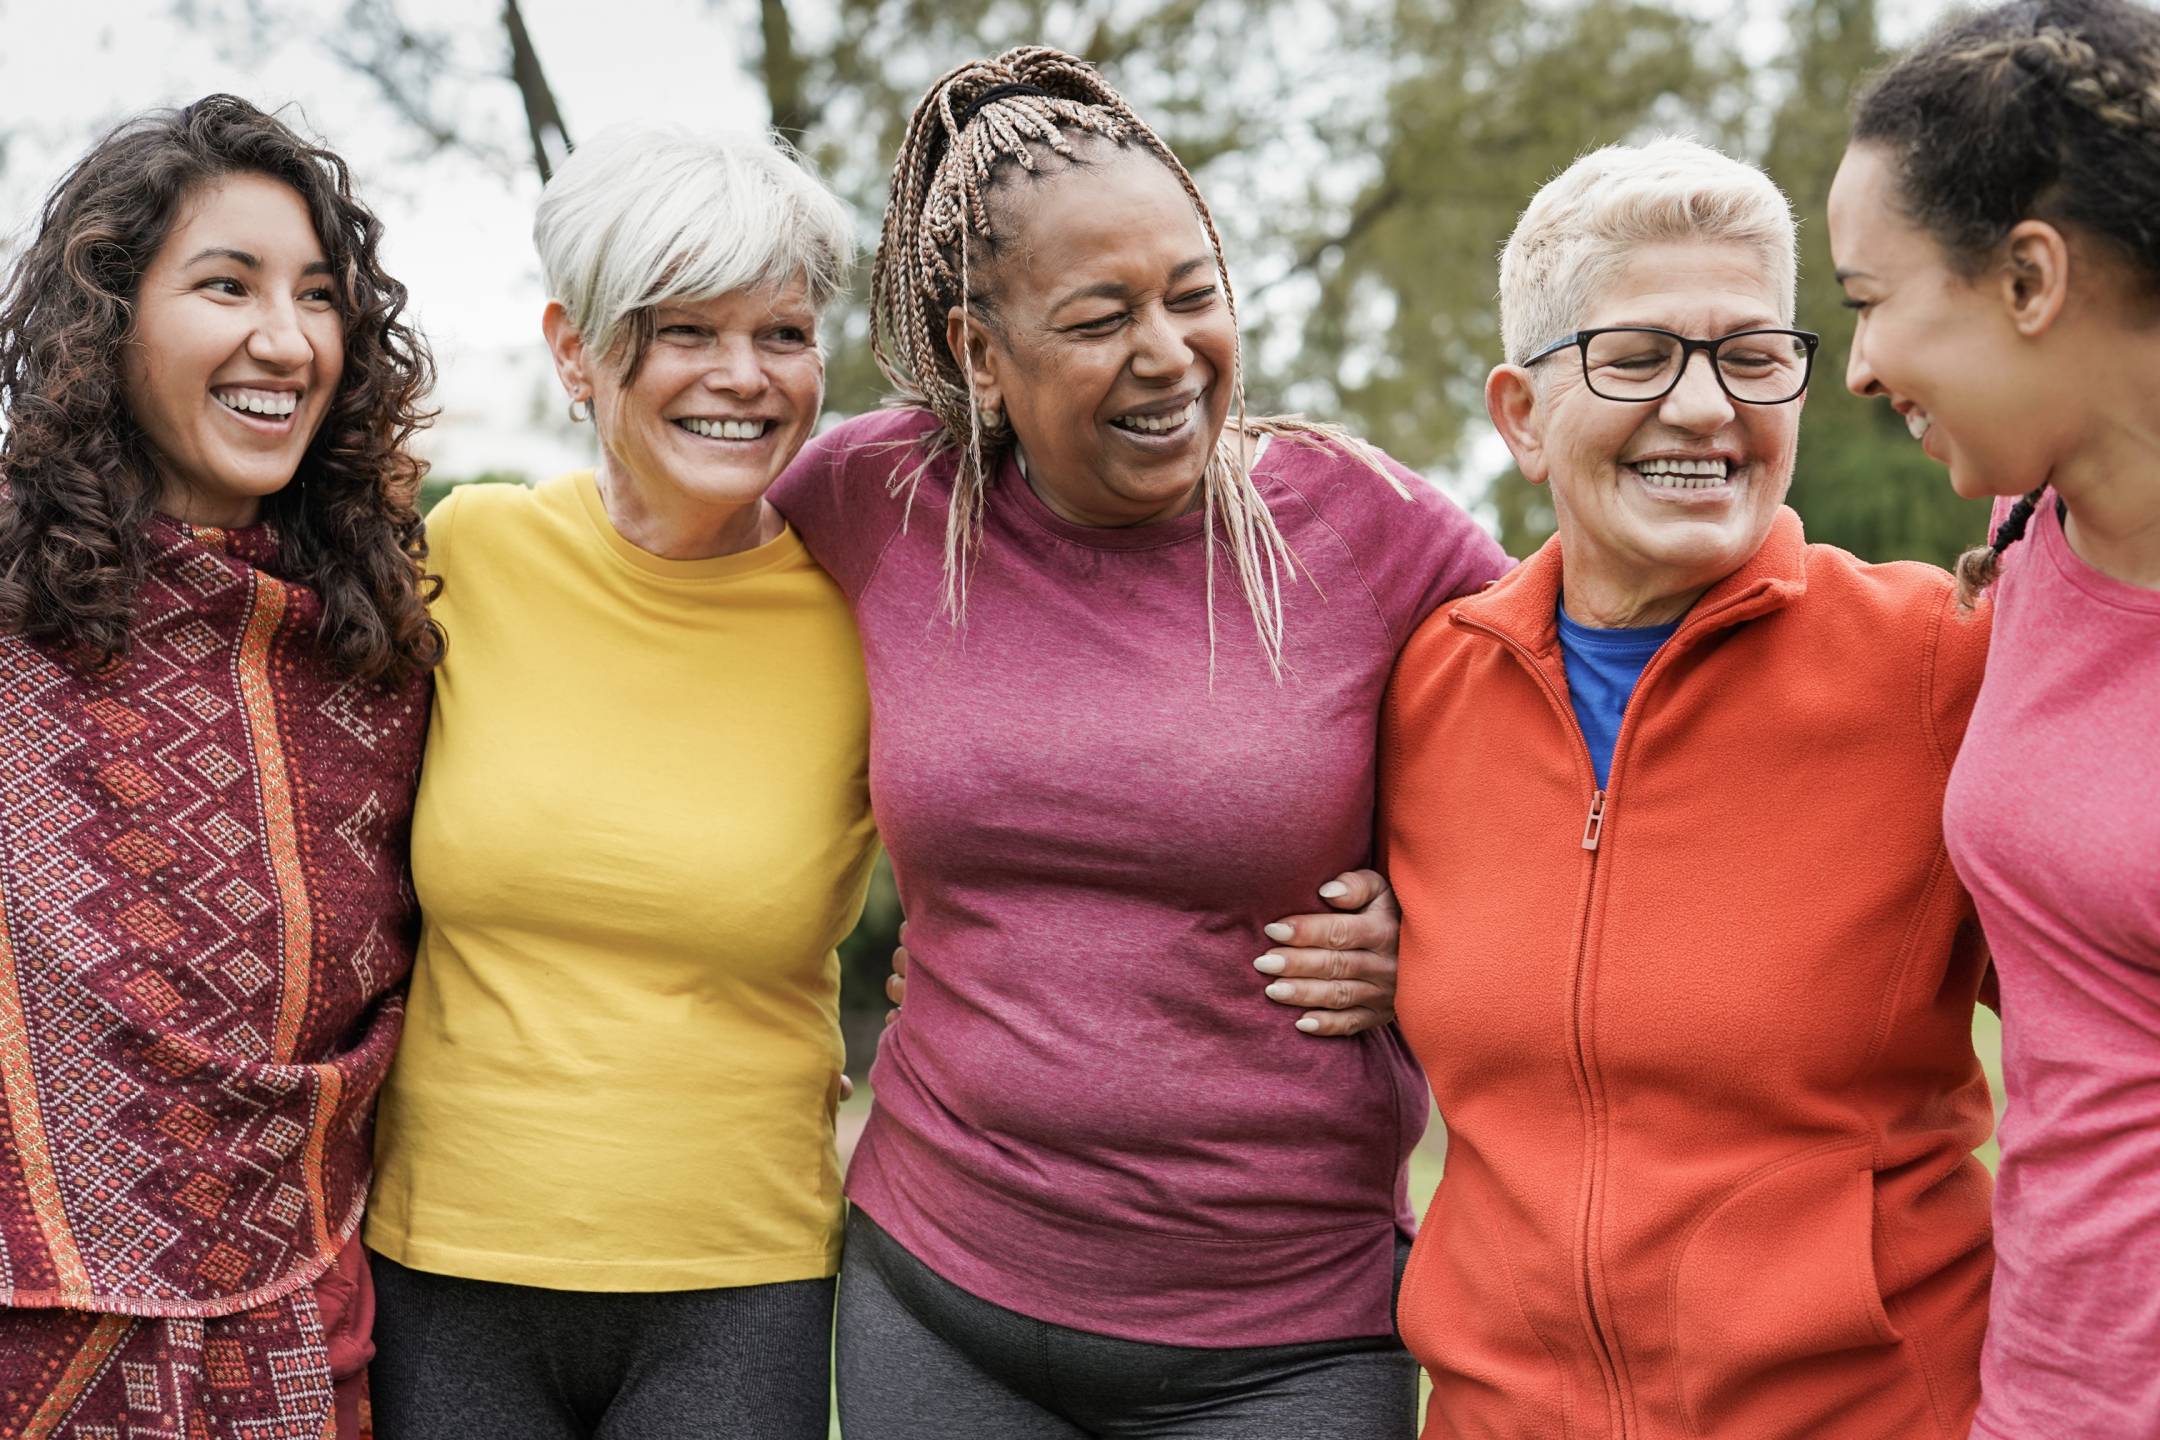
(204, 918)
(262, 1374)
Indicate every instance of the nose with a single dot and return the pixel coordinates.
(278, 339)
(1859, 375)
(1160, 351)
(1697, 402)
(736, 368)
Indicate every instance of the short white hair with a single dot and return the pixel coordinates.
(1578, 231)
(639, 216)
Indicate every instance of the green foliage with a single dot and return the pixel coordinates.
(435, 487)
(1861, 483)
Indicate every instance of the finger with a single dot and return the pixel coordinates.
(1328, 965)
(899, 954)
(1341, 1022)
(1369, 929)
(1354, 889)
(1329, 994)
(847, 1086)
(891, 1015)
(896, 989)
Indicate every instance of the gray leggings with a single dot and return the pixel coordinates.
(463, 1359)
(922, 1359)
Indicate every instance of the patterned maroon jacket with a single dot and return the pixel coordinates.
(205, 919)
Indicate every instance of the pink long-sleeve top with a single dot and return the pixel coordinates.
(1089, 1112)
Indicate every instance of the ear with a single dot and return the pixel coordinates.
(1518, 413)
(976, 349)
(2036, 276)
(568, 348)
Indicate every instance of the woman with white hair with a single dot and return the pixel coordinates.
(1695, 989)
(607, 1202)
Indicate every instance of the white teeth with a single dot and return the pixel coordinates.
(1155, 424)
(1678, 474)
(1917, 423)
(725, 429)
(276, 404)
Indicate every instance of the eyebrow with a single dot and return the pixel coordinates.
(252, 262)
(1758, 323)
(1116, 290)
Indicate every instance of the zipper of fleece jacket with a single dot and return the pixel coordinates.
(1593, 833)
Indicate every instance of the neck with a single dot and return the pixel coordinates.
(660, 519)
(2111, 493)
(1608, 602)
(192, 507)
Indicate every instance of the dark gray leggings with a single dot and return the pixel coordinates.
(922, 1359)
(471, 1360)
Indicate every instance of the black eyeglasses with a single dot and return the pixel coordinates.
(1636, 362)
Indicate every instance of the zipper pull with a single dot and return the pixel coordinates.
(1596, 823)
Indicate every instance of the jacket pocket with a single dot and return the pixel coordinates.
(1779, 1272)
(1463, 1317)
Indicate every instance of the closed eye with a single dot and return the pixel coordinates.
(1193, 299)
(1100, 325)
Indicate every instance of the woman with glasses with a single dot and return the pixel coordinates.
(1682, 953)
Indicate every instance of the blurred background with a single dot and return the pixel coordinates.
(1365, 160)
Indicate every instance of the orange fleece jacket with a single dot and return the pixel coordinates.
(1702, 1040)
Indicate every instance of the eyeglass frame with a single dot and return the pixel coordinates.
(1581, 339)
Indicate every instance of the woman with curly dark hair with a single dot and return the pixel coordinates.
(214, 649)
(1994, 224)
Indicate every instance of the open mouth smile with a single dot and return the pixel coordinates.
(1677, 477)
(1160, 427)
(259, 409)
(735, 430)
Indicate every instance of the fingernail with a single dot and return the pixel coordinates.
(1308, 1025)
(1278, 932)
(1269, 964)
(1334, 890)
(1280, 990)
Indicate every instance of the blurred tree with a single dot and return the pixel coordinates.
(1862, 483)
(1484, 101)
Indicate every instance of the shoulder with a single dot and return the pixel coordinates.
(1903, 616)
(1413, 547)
(847, 494)
(483, 519)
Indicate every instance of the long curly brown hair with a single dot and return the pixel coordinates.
(78, 481)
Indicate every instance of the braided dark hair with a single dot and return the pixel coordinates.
(2035, 109)
(77, 481)
(980, 126)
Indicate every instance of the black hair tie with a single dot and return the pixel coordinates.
(976, 106)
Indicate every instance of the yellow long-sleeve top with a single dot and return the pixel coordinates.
(643, 826)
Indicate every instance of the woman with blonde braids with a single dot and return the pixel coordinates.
(2008, 288)
(1097, 1195)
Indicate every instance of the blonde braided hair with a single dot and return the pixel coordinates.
(980, 117)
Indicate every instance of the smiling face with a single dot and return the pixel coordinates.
(236, 351)
(1110, 346)
(724, 396)
(1656, 500)
(1941, 346)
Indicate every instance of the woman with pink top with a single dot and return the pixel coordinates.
(1994, 225)
(1126, 649)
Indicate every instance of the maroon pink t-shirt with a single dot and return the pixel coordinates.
(1089, 1112)
(2053, 822)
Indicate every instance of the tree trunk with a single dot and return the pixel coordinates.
(543, 119)
(792, 113)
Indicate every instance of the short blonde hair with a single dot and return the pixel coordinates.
(639, 216)
(1579, 229)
